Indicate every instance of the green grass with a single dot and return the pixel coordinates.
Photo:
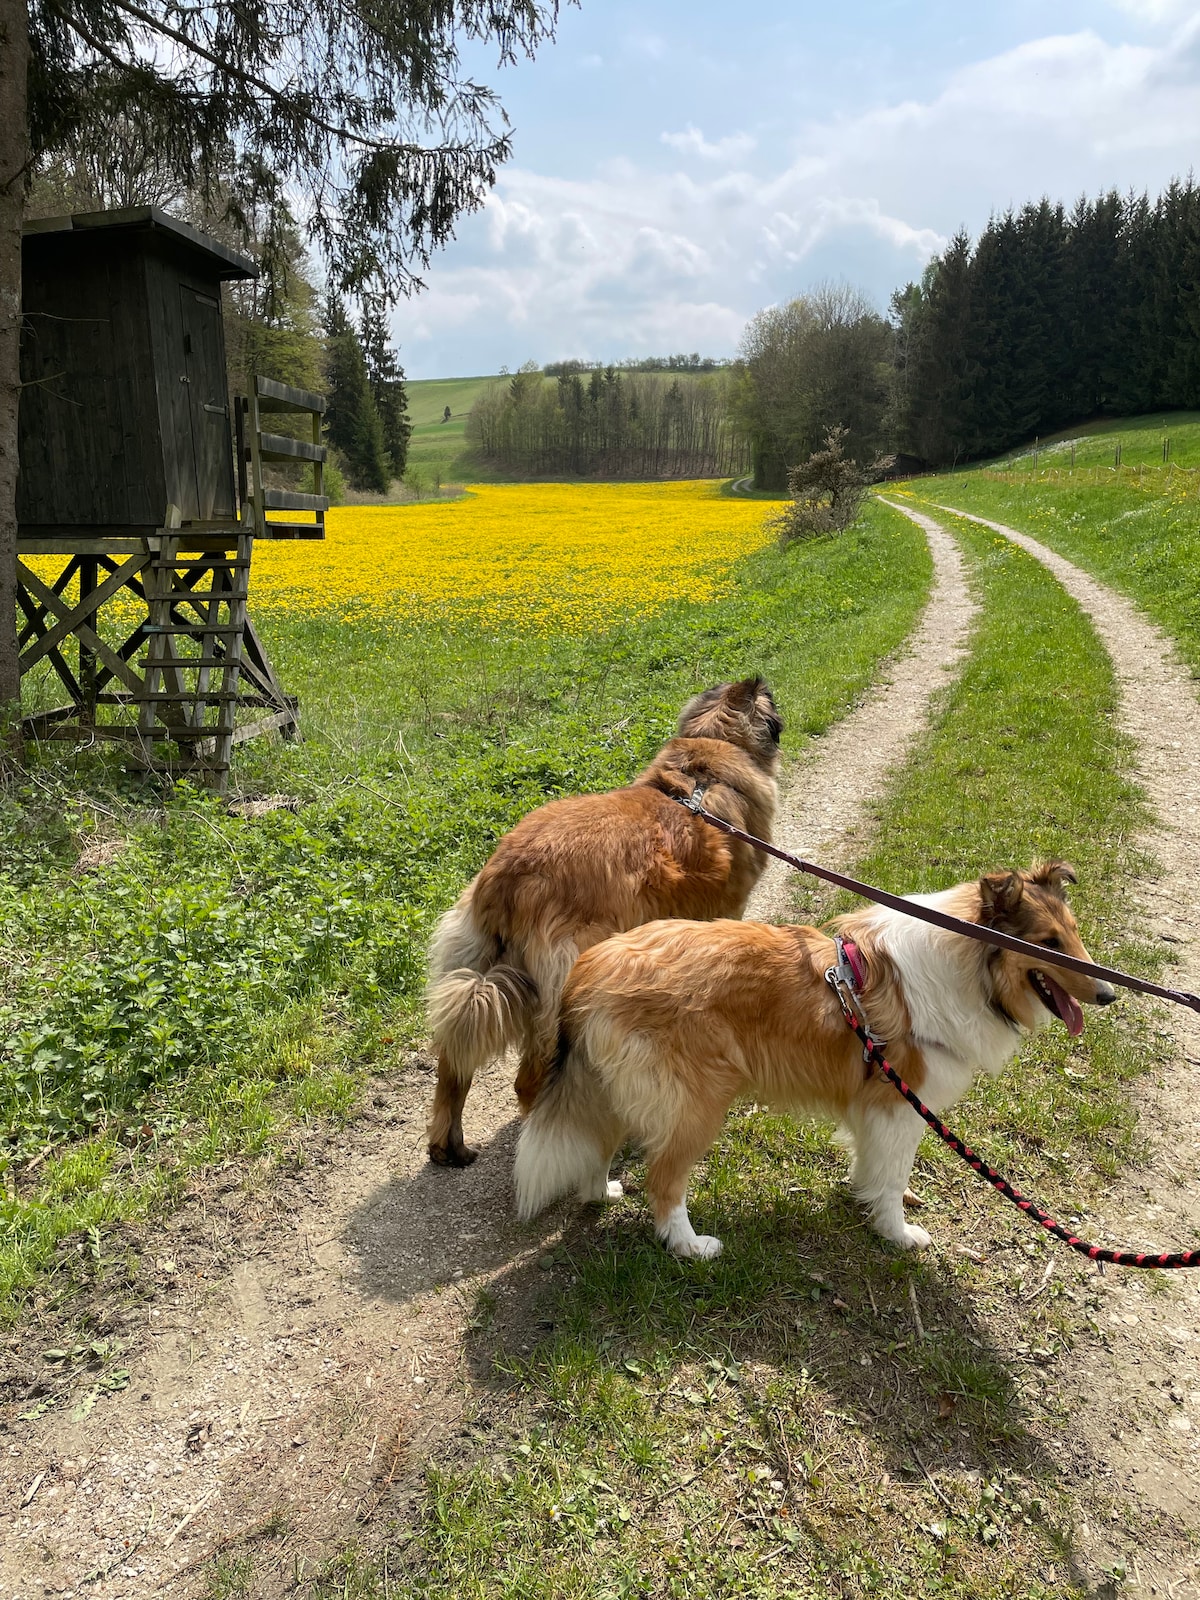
(437, 450)
(1137, 529)
(1141, 440)
(429, 397)
(767, 1424)
(216, 979)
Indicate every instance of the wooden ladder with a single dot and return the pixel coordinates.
(254, 447)
(195, 634)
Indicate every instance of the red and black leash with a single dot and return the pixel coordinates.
(873, 1055)
(873, 1048)
(940, 919)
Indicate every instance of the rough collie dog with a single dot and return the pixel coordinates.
(664, 1027)
(577, 870)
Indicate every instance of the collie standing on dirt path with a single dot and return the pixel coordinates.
(577, 870)
(665, 1026)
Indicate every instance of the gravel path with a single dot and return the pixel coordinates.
(308, 1339)
(1149, 1379)
(310, 1336)
(824, 813)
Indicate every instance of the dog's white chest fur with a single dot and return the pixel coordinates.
(949, 999)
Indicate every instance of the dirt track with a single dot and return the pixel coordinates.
(1139, 1399)
(824, 813)
(311, 1338)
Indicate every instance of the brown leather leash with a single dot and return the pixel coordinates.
(845, 980)
(941, 919)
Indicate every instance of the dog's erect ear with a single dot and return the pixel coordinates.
(742, 696)
(1000, 895)
(1053, 875)
(769, 712)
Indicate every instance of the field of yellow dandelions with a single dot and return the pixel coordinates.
(546, 558)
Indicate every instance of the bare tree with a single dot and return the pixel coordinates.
(827, 491)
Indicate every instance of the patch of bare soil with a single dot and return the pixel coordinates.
(294, 1349)
(1137, 1399)
(825, 811)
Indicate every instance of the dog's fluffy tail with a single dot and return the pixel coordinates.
(568, 1138)
(478, 1004)
(475, 1016)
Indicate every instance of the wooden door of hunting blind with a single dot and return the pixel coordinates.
(207, 402)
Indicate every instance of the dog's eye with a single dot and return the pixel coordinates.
(1053, 942)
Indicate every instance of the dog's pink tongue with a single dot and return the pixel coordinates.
(1069, 1008)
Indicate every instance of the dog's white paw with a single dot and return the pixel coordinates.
(915, 1238)
(700, 1247)
(614, 1190)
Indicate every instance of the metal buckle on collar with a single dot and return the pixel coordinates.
(842, 980)
(844, 968)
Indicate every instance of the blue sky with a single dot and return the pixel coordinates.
(679, 166)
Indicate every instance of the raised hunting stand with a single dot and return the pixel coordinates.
(127, 474)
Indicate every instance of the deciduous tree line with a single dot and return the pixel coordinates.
(616, 424)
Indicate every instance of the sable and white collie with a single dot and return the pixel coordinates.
(577, 870)
(664, 1027)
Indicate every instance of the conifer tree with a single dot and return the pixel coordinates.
(351, 418)
(386, 377)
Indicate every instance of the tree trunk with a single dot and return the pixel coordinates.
(14, 149)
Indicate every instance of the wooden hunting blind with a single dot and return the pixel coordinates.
(127, 469)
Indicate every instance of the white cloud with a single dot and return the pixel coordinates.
(692, 142)
(1157, 10)
(794, 236)
(677, 248)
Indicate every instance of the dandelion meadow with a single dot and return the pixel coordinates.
(547, 558)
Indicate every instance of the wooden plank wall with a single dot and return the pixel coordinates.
(89, 447)
(113, 422)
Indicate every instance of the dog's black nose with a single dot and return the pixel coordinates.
(1105, 994)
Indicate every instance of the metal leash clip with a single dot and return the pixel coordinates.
(695, 802)
(842, 979)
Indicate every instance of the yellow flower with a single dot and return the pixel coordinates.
(543, 558)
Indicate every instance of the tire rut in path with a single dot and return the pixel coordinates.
(824, 812)
(310, 1340)
(1140, 1399)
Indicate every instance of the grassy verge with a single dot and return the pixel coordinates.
(181, 984)
(1165, 437)
(814, 1413)
(1137, 529)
